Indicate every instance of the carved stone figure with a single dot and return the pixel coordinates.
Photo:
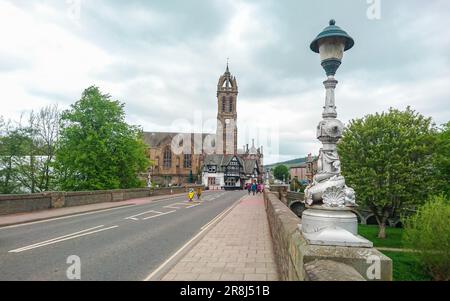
(328, 187)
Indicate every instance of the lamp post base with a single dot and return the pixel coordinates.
(332, 227)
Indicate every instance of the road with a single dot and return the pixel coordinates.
(125, 243)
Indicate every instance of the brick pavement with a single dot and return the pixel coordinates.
(238, 248)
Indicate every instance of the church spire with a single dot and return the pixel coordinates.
(228, 69)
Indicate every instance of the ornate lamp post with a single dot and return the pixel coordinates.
(329, 219)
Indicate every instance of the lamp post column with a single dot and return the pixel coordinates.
(329, 219)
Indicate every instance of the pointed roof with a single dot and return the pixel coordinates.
(253, 150)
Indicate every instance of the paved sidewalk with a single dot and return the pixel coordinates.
(29, 217)
(238, 248)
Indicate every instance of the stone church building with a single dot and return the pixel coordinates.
(221, 165)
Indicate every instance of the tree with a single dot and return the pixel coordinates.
(442, 160)
(281, 172)
(388, 159)
(428, 233)
(97, 149)
(42, 130)
(13, 145)
(28, 149)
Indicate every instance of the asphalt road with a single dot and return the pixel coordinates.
(125, 243)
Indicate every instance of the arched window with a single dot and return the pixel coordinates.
(167, 158)
(230, 104)
(223, 104)
(187, 162)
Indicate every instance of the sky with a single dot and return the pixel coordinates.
(163, 60)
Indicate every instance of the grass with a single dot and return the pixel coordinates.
(406, 267)
(393, 236)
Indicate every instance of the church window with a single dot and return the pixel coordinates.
(230, 104)
(223, 104)
(167, 158)
(187, 162)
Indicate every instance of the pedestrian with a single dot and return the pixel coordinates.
(254, 187)
(249, 188)
(191, 194)
(258, 188)
(199, 194)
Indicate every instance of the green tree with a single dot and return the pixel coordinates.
(388, 159)
(428, 232)
(281, 172)
(13, 147)
(27, 150)
(97, 149)
(442, 160)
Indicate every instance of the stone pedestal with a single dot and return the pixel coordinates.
(332, 227)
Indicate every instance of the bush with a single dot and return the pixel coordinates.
(428, 232)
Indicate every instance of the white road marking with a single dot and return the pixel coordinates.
(203, 229)
(161, 214)
(136, 215)
(88, 213)
(195, 205)
(217, 217)
(68, 216)
(172, 206)
(149, 277)
(62, 238)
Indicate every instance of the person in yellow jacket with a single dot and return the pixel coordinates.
(191, 194)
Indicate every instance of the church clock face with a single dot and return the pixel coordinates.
(227, 121)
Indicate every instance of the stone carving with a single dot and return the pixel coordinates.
(328, 187)
(350, 197)
(334, 197)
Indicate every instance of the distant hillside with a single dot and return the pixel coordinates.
(287, 163)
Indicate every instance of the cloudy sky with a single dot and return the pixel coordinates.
(164, 58)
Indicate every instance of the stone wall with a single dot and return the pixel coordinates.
(293, 200)
(22, 203)
(297, 260)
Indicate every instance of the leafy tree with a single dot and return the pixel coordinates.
(442, 160)
(428, 232)
(388, 159)
(281, 172)
(13, 145)
(27, 150)
(97, 149)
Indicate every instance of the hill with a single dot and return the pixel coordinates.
(287, 163)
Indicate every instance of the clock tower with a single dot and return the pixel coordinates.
(226, 136)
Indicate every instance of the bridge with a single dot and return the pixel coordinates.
(157, 234)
